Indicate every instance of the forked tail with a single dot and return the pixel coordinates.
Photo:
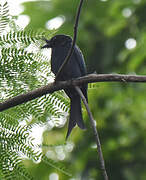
(75, 114)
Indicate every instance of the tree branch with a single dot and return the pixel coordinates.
(73, 42)
(52, 87)
(99, 150)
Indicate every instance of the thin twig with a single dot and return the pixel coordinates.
(99, 150)
(52, 87)
(73, 42)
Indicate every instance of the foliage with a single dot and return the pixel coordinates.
(119, 108)
(23, 68)
(15, 141)
(104, 30)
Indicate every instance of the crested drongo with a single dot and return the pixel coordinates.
(60, 45)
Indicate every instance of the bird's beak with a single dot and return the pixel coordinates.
(47, 45)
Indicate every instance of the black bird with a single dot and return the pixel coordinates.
(75, 68)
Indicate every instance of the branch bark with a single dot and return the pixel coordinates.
(96, 135)
(52, 87)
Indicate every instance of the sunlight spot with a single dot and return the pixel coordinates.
(94, 146)
(59, 149)
(69, 147)
(127, 12)
(103, 0)
(15, 7)
(130, 43)
(36, 133)
(60, 152)
(61, 157)
(51, 154)
(22, 21)
(53, 176)
(55, 23)
(95, 123)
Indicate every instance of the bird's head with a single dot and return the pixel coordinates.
(58, 40)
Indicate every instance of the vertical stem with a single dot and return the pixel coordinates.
(74, 40)
(96, 135)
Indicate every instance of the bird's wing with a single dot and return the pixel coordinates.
(81, 63)
(80, 60)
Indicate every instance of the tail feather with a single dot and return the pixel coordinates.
(75, 115)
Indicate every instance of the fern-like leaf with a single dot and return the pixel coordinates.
(24, 37)
(23, 68)
(4, 16)
(15, 140)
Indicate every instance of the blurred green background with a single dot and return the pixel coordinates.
(112, 37)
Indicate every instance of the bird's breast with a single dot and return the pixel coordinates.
(57, 58)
